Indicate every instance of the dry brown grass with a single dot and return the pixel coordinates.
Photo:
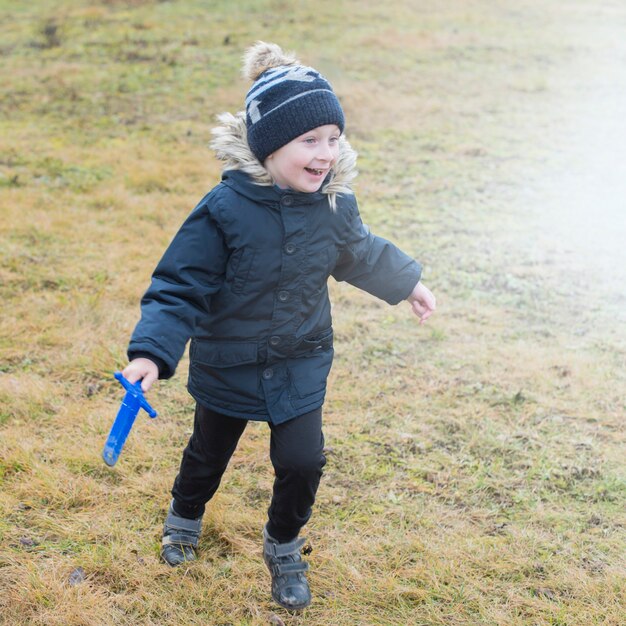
(475, 465)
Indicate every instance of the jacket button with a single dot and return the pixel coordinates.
(287, 201)
(290, 248)
(275, 340)
(268, 373)
(283, 296)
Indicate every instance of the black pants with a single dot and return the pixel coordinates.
(296, 452)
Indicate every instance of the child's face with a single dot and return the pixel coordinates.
(303, 163)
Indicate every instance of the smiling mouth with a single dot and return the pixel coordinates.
(313, 171)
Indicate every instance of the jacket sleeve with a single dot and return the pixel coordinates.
(190, 271)
(374, 264)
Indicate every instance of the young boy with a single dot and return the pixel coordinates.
(245, 278)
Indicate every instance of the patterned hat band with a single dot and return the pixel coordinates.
(276, 75)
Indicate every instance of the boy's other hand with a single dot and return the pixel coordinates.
(141, 369)
(422, 302)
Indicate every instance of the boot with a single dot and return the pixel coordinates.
(180, 538)
(290, 588)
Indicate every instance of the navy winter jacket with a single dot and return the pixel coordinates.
(246, 279)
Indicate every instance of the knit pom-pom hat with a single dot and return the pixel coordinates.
(286, 99)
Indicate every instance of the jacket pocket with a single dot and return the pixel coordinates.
(330, 254)
(223, 353)
(319, 266)
(322, 340)
(308, 375)
(225, 374)
(238, 271)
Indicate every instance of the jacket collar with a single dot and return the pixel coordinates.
(231, 146)
(244, 184)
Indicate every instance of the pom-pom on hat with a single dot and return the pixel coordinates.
(286, 99)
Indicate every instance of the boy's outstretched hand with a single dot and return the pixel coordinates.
(422, 302)
(141, 369)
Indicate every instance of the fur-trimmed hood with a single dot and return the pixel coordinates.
(231, 146)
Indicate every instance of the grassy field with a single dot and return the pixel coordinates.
(475, 465)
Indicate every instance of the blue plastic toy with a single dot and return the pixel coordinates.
(132, 402)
